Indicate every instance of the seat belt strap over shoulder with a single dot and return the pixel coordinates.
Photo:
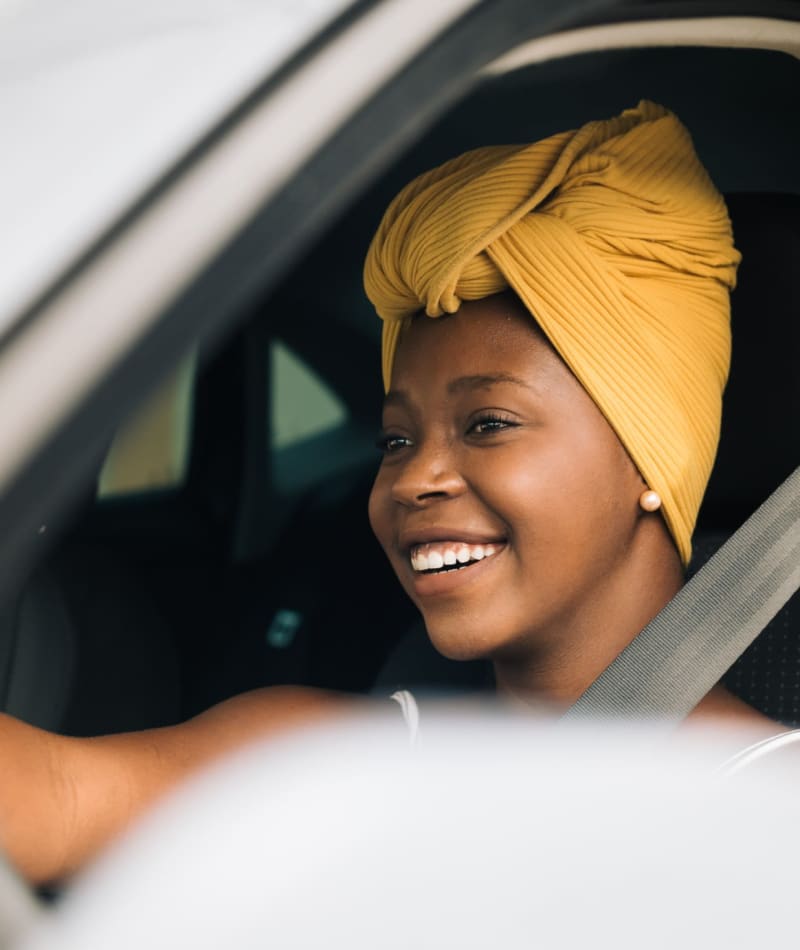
(696, 638)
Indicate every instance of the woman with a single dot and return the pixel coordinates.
(540, 478)
(567, 413)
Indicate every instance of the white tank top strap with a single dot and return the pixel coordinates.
(408, 706)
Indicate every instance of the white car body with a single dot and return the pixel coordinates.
(141, 142)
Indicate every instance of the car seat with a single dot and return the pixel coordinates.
(83, 649)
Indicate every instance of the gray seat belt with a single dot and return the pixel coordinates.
(710, 622)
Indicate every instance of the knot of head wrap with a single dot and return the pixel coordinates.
(618, 243)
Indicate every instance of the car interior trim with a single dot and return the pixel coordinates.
(729, 32)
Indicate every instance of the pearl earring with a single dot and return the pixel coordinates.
(650, 500)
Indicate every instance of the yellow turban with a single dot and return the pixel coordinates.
(618, 243)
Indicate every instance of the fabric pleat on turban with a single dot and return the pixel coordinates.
(619, 245)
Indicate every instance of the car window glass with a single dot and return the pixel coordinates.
(150, 452)
(302, 405)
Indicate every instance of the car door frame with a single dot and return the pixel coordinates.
(259, 173)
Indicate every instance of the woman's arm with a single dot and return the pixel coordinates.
(62, 799)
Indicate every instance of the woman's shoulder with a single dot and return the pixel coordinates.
(721, 707)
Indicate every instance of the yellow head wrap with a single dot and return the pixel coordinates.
(616, 240)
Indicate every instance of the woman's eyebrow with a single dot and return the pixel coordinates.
(395, 397)
(483, 381)
(399, 397)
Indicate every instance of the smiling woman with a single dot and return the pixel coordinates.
(509, 508)
(542, 477)
(547, 443)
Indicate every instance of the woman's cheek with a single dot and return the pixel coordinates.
(378, 509)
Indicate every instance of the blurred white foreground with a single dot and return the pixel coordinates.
(493, 832)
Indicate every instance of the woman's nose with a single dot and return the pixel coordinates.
(430, 474)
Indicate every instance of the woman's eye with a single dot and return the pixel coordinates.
(491, 423)
(389, 443)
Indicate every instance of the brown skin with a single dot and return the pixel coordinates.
(530, 464)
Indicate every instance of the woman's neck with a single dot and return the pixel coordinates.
(553, 668)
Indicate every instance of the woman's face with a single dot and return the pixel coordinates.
(504, 501)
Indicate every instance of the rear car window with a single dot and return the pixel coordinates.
(150, 452)
(303, 406)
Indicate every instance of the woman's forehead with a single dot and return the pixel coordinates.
(492, 336)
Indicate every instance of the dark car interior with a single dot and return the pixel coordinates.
(258, 566)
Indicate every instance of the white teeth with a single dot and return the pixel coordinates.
(436, 555)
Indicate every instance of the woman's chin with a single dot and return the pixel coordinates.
(458, 644)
